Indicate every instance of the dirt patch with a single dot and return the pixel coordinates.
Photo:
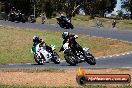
(65, 78)
(39, 79)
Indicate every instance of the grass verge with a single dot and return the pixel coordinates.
(86, 21)
(16, 43)
(51, 70)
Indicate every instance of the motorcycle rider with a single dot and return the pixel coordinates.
(43, 18)
(62, 16)
(13, 9)
(71, 39)
(37, 40)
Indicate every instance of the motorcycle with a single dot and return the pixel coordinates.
(11, 17)
(73, 59)
(42, 55)
(65, 23)
(19, 17)
(32, 19)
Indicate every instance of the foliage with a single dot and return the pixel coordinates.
(99, 7)
(127, 4)
(70, 7)
(120, 13)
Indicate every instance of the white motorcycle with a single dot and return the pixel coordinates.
(42, 55)
(73, 59)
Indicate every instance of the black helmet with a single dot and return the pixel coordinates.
(65, 34)
(35, 38)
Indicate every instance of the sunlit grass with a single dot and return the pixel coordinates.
(16, 43)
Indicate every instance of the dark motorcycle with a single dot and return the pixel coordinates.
(11, 17)
(73, 59)
(19, 17)
(65, 22)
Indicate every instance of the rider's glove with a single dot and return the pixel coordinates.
(75, 36)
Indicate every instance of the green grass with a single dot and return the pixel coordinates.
(87, 86)
(16, 43)
(121, 24)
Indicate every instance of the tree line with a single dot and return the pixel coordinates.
(69, 7)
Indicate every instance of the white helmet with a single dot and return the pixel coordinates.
(62, 14)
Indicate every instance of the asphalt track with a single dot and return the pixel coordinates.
(123, 61)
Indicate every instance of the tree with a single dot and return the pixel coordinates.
(23, 5)
(57, 6)
(0, 6)
(120, 13)
(99, 7)
(127, 4)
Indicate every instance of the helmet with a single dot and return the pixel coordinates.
(13, 7)
(65, 34)
(35, 38)
(62, 14)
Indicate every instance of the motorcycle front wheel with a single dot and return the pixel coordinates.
(56, 58)
(90, 59)
(71, 26)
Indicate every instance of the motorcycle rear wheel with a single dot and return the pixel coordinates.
(70, 59)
